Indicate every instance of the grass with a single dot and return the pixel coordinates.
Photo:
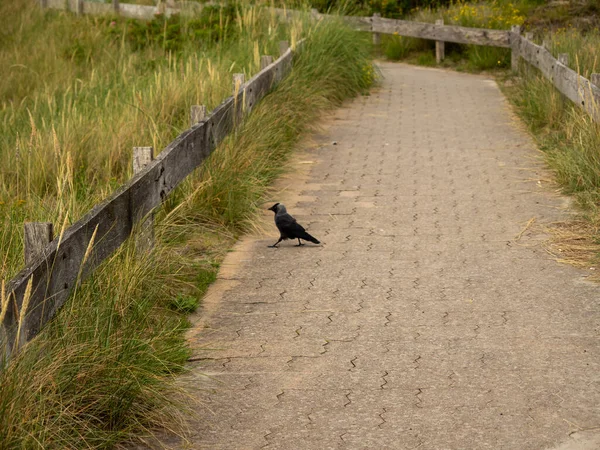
(103, 371)
(472, 58)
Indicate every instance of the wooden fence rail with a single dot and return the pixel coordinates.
(47, 282)
(51, 278)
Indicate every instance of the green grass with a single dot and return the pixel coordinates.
(103, 372)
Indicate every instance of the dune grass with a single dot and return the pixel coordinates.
(103, 371)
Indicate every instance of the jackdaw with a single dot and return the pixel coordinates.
(288, 227)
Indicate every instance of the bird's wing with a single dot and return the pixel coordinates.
(287, 225)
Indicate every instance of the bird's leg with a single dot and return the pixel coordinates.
(275, 244)
(299, 243)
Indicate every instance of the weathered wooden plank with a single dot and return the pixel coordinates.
(447, 33)
(97, 8)
(359, 23)
(112, 221)
(37, 236)
(575, 87)
(142, 12)
(440, 47)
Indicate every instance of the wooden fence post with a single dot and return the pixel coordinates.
(563, 58)
(79, 8)
(283, 47)
(197, 114)
(515, 47)
(115, 4)
(37, 236)
(43, 3)
(376, 36)
(144, 241)
(265, 61)
(440, 46)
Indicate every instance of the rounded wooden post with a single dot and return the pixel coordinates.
(115, 4)
(238, 80)
(376, 36)
(440, 46)
(144, 240)
(43, 3)
(283, 47)
(197, 114)
(265, 61)
(515, 47)
(563, 58)
(79, 8)
(37, 237)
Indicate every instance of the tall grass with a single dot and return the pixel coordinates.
(568, 136)
(102, 372)
(581, 48)
(76, 96)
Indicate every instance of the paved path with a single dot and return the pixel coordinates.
(431, 317)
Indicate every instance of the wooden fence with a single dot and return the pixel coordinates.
(55, 269)
(49, 279)
(583, 92)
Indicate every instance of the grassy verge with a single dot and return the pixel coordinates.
(570, 141)
(103, 371)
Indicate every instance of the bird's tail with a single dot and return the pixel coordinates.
(308, 237)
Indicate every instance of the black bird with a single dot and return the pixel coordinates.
(288, 227)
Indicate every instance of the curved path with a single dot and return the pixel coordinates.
(431, 317)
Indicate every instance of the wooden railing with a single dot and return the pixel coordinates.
(56, 267)
(585, 93)
(48, 280)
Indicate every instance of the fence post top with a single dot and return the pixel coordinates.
(516, 29)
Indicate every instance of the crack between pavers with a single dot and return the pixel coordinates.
(379, 425)
(418, 397)
(385, 374)
(360, 305)
(416, 362)
(387, 319)
(348, 398)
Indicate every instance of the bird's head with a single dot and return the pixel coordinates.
(277, 207)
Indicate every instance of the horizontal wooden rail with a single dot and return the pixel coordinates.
(446, 33)
(576, 88)
(67, 259)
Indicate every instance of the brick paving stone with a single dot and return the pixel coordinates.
(428, 318)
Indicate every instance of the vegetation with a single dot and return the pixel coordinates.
(102, 372)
